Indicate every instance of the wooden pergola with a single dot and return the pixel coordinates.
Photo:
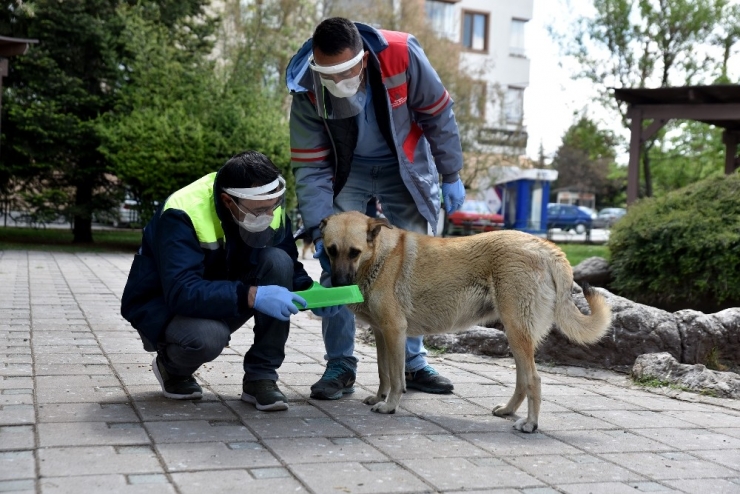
(717, 105)
(10, 47)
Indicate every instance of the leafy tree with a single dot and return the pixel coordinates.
(56, 93)
(585, 160)
(180, 116)
(652, 43)
(690, 153)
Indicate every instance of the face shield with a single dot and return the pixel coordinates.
(340, 89)
(261, 217)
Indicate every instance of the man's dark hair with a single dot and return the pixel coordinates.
(336, 34)
(247, 169)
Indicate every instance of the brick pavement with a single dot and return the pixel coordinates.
(80, 411)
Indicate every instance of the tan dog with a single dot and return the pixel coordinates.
(415, 284)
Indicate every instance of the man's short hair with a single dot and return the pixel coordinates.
(247, 169)
(336, 34)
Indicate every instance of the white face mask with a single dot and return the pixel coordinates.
(254, 224)
(346, 88)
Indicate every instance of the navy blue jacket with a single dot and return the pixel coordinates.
(177, 272)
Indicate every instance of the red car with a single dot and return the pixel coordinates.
(473, 217)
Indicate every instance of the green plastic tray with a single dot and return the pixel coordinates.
(319, 296)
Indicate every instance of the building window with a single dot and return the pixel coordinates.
(514, 105)
(475, 31)
(516, 41)
(441, 17)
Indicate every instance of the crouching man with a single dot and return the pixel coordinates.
(218, 252)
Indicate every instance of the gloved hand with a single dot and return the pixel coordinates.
(277, 301)
(322, 256)
(327, 311)
(453, 196)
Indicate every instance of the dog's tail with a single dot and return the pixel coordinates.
(580, 328)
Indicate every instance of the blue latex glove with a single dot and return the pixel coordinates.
(453, 196)
(277, 301)
(321, 255)
(327, 311)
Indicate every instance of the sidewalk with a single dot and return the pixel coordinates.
(80, 411)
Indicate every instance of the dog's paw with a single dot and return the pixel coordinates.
(372, 400)
(501, 410)
(524, 426)
(383, 407)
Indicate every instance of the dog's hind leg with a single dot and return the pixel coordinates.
(383, 372)
(527, 382)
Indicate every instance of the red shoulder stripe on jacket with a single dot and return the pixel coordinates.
(304, 155)
(437, 106)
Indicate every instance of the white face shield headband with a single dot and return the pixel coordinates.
(265, 226)
(343, 98)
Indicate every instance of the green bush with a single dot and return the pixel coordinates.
(682, 250)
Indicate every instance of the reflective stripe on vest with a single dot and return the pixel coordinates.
(196, 200)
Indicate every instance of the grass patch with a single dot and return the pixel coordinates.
(435, 351)
(578, 252)
(60, 239)
(654, 382)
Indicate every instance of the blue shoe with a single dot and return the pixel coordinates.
(428, 380)
(338, 380)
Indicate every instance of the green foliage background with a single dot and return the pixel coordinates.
(180, 116)
(681, 250)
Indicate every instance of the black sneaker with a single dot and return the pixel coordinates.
(264, 394)
(428, 380)
(338, 380)
(176, 387)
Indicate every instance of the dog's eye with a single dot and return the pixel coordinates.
(332, 250)
(353, 253)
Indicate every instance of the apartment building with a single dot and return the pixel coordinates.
(491, 33)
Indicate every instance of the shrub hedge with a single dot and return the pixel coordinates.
(681, 250)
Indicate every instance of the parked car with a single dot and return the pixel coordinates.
(128, 211)
(591, 212)
(608, 216)
(473, 217)
(568, 217)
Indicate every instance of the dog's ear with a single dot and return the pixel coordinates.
(373, 228)
(322, 224)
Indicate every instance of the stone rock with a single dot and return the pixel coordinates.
(666, 369)
(594, 271)
(689, 336)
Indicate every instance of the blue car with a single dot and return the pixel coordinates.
(568, 217)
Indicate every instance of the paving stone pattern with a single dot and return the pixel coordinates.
(80, 411)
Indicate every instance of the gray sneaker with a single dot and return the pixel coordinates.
(176, 387)
(338, 380)
(264, 394)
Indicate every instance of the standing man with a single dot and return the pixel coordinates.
(218, 252)
(370, 118)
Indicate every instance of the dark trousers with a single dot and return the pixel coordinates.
(190, 342)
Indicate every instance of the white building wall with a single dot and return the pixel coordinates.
(503, 66)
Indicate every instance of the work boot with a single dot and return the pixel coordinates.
(428, 380)
(338, 380)
(176, 387)
(264, 394)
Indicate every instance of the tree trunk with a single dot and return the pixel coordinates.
(82, 230)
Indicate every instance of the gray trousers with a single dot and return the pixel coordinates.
(189, 342)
